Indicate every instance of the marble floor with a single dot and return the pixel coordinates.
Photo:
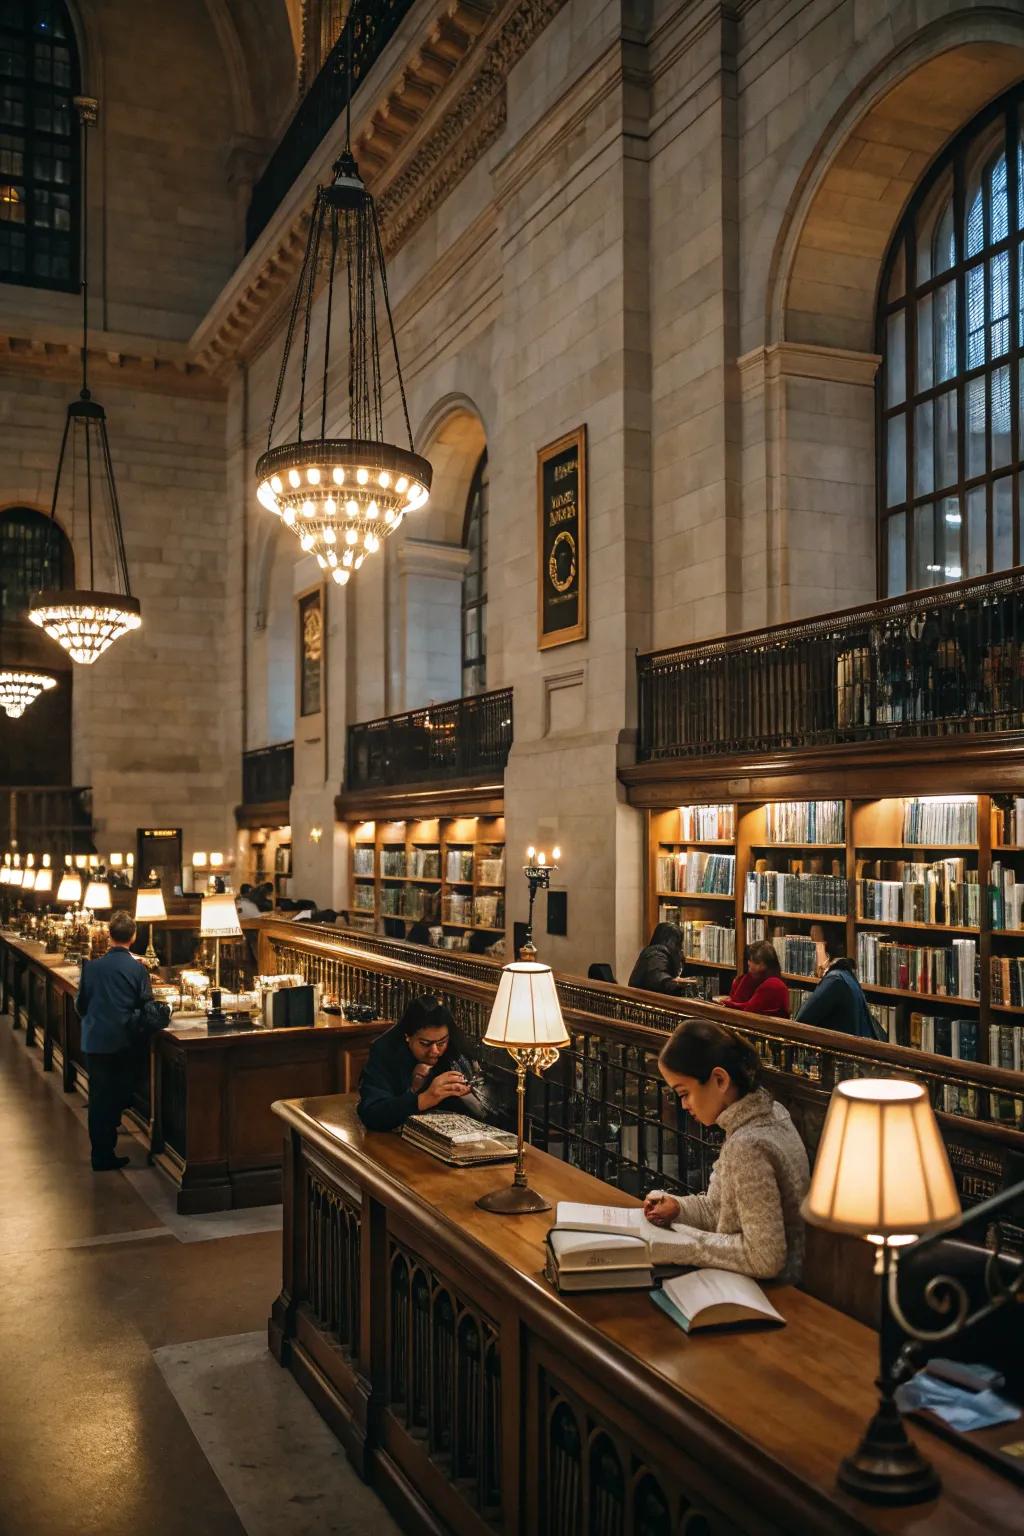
(137, 1397)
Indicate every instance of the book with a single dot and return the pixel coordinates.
(711, 1298)
(806, 821)
(571, 1216)
(597, 1261)
(707, 823)
(459, 1140)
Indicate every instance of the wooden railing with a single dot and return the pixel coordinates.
(46, 820)
(460, 739)
(323, 104)
(944, 662)
(268, 774)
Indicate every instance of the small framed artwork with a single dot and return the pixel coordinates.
(311, 652)
(562, 540)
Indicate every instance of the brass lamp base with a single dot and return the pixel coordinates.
(516, 1200)
(887, 1467)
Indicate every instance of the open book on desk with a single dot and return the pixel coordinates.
(710, 1298)
(601, 1248)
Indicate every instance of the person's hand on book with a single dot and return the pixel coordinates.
(661, 1210)
(448, 1085)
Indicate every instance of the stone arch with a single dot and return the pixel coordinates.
(452, 436)
(862, 171)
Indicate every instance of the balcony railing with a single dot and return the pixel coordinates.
(944, 662)
(49, 820)
(373, 28)
(457, 740)
(267, 775)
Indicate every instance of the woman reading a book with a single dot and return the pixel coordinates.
(660, 963)
(421, 1063)
(761, 988)
(749, 1220)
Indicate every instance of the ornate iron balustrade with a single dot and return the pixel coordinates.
(946, 662)
(268, 773)
(373, 28)
(54, 821)
(456, 740)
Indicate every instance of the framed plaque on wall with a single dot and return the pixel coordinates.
(311, 652)
(562, 540)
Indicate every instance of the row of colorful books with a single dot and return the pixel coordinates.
(362, 859)
(706, 823)
(409, 901)
(708, 941)
(944, 822)
(773, 890)
(697, 873)
(944, 892)
(1006, 898)
(480, 911)
(806, 821)
(1006, 979)
(944, 971)
(1009, 822)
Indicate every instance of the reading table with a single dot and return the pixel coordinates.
(478, 1400)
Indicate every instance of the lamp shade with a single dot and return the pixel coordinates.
(97, 896)
(17, 875)
(526, 1010)
(882, 1169)
(70, 888)
(149, 905)
(218, 917)
(28, 880)
(44, 879)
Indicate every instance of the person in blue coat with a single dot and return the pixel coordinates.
(417, 1065)
(838, 1002)
(110, 990)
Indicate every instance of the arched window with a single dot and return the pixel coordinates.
(951, 334)
(39, 76)
(474, 584)
(34, 556)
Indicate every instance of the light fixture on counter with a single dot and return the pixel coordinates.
(342, 496)
(149, 908)
(218, 919)
(97, 896)
(85, 622)
(69, 892)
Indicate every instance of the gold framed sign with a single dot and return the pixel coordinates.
(311, 652)
(562, 541)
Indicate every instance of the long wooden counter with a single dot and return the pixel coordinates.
(203, 1111)
(478, 1400)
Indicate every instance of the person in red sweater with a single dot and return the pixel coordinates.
(761, 989)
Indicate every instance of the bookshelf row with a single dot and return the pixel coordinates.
(924, 893)
(448, 872)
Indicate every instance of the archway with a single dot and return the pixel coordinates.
(35, 554)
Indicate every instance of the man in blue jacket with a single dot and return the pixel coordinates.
(110, 991)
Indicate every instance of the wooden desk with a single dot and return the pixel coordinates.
(477, 1400)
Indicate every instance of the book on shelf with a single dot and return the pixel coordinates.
(948, 822)
(709, 1298)
(459, 1140)
(392, 900)
(944, 1036)
(362, 859)
(798, 954)
(419, 903)
(707, 823)
(458, 907)
(362, 898)
(697, 873)
(393, 864)
(1006, 1047)
(489, 911)
(806, 821)
(458, 865)
(906, 890)
(1008, 822)
(1006, 979)
(1005, 898)
(781, 891)
(491, 870)
(360, 922)
(704, 939)
(888, 1016)
(943, 971)
(424, 863)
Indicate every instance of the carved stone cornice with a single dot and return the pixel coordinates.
(127, 362)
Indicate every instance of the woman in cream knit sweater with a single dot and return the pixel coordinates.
(749, 1220)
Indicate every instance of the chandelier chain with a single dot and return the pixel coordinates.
(84, 258)
(391, 323)
(330, 312)
(310, 276)
(289, 337)
(120, 552)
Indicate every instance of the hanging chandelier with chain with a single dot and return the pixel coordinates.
(20, 687)
(342, 496)
(87, 621)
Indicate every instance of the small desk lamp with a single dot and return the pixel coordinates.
(218, 919)
(149, 908)
(69, 892)
(527, 1020)
(882, 1174)
(97, 896)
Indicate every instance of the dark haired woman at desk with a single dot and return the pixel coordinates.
(749, 1220)
(419, 1064)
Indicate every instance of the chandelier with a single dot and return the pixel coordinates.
(21, 687)
(342, 496)
(86, 622)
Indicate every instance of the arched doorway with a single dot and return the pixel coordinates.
(34, 554)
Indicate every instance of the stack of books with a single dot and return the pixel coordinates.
(770, 890)
(888, 1016)
(947, 823)
(1005, 1047)
(1009, 824)
(392, 900)
(417, 902)
(949, 971)
(707, 823)
(362, 898)
(806, 821)
(459, 1140)
(696, 873)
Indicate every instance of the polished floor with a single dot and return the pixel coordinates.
(137, 1397)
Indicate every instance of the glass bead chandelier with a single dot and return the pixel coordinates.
(342, 496)
(20, 687)
(87, 621)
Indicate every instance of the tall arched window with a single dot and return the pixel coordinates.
(951, 334)
(474, 584)
(39, 76)
(34, 556)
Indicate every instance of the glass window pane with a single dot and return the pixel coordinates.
(975, 426)
(975, 316)
(936, 243)
(897, 276)
(945, 363)
(1020, 185)
(896, 554)
(1000, 418)
(999, 304)
(924, 378)
(896, 460)
(946, 457)
(998, 213)
(1002, 524)
(924, 449)
(927, 571)
(977, 532)
(896, 358)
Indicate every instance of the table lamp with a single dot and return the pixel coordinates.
(218, 919)
(97, 896)
(149, 908)
(69, 891)
(882, 1174)
(527, 1020)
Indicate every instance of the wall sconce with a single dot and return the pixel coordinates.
(538, 874)
(315, 834)
(199, 861)
(116, 860)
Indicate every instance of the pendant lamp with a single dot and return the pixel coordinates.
(20, 687)
(87, 621)
(342, 496)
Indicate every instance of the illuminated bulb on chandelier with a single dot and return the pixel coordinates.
(373, 510)
(332, 558)
(351, 508)
(338, 475)
(346, 558)
(389, 516)
(358, 561)
(294, 479)
(330, 536)
(321, 562)
(308, 509)
(402, 484)
(362, 475)
(383, 479)
(313, 475)
(351, 536)
(330, 506)
(306, 542)
(371, 543)
(341, 576)
(276, 484)
(289, 516)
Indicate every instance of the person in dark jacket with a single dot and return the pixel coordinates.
(659, 965)
(837, 1002)
(110, 990)
(417, 1065)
